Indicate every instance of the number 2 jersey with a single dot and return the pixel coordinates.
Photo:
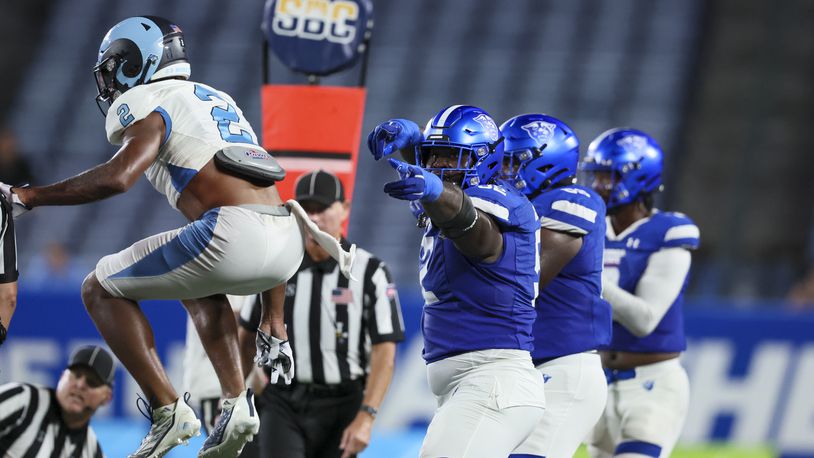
(572, 317)
(471, 305)
(199, 121)
(627, 256)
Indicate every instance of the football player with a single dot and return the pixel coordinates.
(478, 274)
(573, 321)
(195, 146)
(646, 267)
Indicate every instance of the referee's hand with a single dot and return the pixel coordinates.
(357, 435)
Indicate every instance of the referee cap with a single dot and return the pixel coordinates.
(98, 359)
(319, 186)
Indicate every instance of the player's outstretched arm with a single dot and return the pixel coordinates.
(140, 144)
(556, 250)
(473, 232)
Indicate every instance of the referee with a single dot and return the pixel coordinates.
(8, 262)
(343, 334)
(43, 422)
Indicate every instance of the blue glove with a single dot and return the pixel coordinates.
(415, 183)
(391, 136)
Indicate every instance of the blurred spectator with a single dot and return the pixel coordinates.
(54, 269)
(801, 295)
(14, 168)
(41, 421)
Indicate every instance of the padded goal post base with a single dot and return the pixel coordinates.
(313, 127)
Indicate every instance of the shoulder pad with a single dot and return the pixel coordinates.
(134, 105)
(571, 209)
(679, 230)
(507, 206)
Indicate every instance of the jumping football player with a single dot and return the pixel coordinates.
(195, 146)
(647, 264)
(573, 321)
(478, 274)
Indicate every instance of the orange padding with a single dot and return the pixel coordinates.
(312, 127)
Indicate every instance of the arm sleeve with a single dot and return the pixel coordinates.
(656, 291)
(385, 323)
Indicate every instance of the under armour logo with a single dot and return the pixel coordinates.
(540, 130)
(491, 128)
(546, 378)
(648, 385)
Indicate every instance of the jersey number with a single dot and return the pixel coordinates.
(427, 245)
(125, 117)
(224, 117)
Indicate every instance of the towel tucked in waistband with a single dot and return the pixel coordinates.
(325, 240)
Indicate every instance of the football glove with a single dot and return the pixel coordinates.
(11, 201)
(275, 354)
(415, 183)
(391, 136)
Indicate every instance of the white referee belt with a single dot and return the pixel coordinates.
(329, 243)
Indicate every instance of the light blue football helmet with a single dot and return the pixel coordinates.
(633, 159)
(540, 151)
(135, 51)
(471, 135)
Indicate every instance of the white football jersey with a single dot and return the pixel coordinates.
(199, 121)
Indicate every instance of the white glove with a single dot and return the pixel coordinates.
(10, 197)
(275, 354)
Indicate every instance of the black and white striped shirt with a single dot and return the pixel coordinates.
(333, 321)
(31, 426)
(8, 244)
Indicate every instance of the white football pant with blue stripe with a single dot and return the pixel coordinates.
(230, 250)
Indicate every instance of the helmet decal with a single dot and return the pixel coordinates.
(491, 128)
(540, 130)
(633, 144)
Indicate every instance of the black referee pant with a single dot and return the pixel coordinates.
(306, 420)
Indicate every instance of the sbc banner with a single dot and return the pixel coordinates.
(313, 127)
(318, 37)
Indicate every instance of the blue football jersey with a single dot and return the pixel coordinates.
(626, 258)
(572, 317)
(471, 305)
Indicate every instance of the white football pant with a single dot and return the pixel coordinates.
(489, 401)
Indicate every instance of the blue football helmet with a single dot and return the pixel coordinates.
(135, 51)
(539, 152)
(470, 138)
(632, 158)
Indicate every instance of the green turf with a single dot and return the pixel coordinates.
(709, 451)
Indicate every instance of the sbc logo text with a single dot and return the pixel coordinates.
(317, 20)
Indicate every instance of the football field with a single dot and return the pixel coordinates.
(709, 451)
